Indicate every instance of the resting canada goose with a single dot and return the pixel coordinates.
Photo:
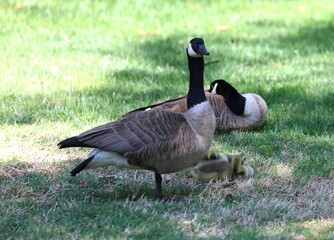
(158, 140)
(221, 166)
(232, 109)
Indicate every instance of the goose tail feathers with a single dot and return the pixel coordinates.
(81, 166)
(71, 142)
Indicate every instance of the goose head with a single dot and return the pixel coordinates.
(196, 48)
(248, 105)
(233, 99)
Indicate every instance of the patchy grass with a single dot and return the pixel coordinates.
(66, 67)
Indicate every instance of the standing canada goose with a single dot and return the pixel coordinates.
(221, 166)
(232, 109)
(158, 140)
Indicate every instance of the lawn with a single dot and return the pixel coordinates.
(67, 66)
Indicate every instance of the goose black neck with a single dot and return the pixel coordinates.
(196, 93)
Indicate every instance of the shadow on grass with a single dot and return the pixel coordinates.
(294, 108)
(84, 207)
(314, 38)
(291, 107)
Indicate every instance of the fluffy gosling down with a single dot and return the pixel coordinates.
(159, 140)
(221, 166)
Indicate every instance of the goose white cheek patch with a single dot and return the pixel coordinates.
(214, 90)
(192, 53)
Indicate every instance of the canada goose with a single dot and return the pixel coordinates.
(235, 110)
(158, 140)
(221, 166)
(232, 109)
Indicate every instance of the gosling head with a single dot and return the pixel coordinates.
(196, 48)
(241, 168)
(213, 155)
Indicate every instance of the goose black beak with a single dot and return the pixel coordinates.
(202, 50)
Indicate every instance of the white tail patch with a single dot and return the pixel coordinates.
(103, 159)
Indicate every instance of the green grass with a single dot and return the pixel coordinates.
(69, 66)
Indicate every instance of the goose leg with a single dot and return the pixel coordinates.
(158, 181)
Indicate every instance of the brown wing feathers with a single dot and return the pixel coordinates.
(171, 102)
(130, 133)
(175, 105)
